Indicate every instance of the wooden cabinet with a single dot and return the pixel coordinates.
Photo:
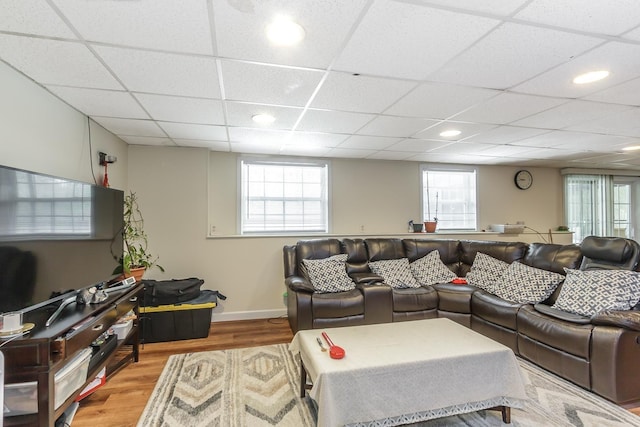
(38, 356)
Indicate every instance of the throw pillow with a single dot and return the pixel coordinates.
(430, 270)
(486, 271)
(527, 285)
(395, 272)
(592, 291)
(329, 274)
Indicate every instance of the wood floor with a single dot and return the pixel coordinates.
(120, 402)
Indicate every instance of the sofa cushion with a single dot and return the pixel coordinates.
(494, 309)
(430, 270)
(417, 299)
(396, 272)
(328, 274)
(337, 305)
(486, 271)
(589, 292)
(527, 285)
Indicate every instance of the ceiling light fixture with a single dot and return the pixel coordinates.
(263, 119)
(631, 148)
(284, 32)
(448, 133)
(590, 77)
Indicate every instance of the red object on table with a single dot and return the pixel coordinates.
(335, 352)
(459, 281)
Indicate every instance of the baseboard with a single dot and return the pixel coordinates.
(248, 315)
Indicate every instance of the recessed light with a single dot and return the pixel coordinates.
(590, 77)
(284, 32)
(448, 133)
(263, 119)
(631, 148)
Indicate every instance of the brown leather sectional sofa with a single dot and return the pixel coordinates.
(601, 353)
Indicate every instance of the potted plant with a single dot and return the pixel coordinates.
(135, 258)
(429, 224)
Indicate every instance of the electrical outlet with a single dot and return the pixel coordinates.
(213, 229)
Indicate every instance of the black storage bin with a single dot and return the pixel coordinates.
(183, 321)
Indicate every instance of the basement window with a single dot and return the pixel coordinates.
(284, 196)
(449, 194)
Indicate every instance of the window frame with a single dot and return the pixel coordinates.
(326, 193)
(425, 167)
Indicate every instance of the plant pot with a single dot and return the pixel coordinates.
(430, 226)
(136, 273)
(417, 228)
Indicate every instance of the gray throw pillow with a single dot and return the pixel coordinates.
(329, 274)
(430, 270)
(592, 291)
(525, 284)
(486, 271)
(395, 272)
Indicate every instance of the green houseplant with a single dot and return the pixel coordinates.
(136, 258)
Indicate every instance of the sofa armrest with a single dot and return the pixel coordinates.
(299, 284)
(628, 319)
(366, 278)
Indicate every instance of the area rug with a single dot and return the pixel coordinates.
(258, 386)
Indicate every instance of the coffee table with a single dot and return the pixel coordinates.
(406, 372)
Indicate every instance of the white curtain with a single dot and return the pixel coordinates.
(589, 205)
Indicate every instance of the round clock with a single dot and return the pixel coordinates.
(523, 179)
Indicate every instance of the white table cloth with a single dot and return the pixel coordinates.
(407, 372)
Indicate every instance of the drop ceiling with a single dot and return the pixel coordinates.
(372, 79)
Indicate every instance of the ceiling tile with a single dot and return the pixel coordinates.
(99, 102)
(466, 129)
(507, 151)
(503, 58)
(212, 145)
(254, 148)
(507, 107)
(122, 127)
(626, 123)
(579, 141)
(395, 126)
(341, 91)
(504, 135)
(350, 153)
(33, 17)
(163, 73)
(439, 100)
(333, 121)
(240, 114)
(588, 16)
(626, 93)
(418, 145)
(390, 155)
(494, 7)
(192, 131)
(571, 113)
(147, 140)
(315, 138)
(165, 21)
(462, 148)
(265, 84)
(305, 150)
(180, 109)
(423, 32)
(369, 142)
(56, 62)
(240, 29)
(258, 136)
(621, 59)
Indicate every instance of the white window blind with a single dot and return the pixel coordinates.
(284, 197)
(589, 205)
(449, 195)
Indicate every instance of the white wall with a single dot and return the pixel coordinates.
(41, 133)
(176, 185)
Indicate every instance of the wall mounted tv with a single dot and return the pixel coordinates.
(56, 235)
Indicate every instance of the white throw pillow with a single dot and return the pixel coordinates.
(592, 291)
(430, 270)
(395, 272)
(525, 284)
(486, 271)
(329, 274)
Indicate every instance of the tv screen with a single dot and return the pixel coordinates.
(56, 235)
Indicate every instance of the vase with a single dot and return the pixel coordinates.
(136, 273)
(417, 228)
(430, 226)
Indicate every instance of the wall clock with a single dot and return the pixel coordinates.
(523, 179)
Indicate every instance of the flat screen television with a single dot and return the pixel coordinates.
(56, 236)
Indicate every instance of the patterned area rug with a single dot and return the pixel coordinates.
(258, 386)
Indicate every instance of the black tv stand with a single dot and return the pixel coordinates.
(61, 307)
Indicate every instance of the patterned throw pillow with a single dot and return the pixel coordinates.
(592, 291)
(486, 271)
(527, 285)
(430, 270)
(329, 274)
(395, 272)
